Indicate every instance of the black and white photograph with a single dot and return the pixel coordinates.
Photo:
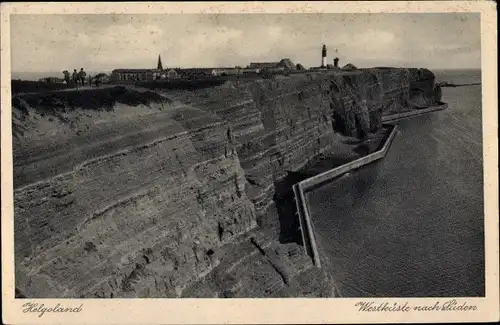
(235, 155)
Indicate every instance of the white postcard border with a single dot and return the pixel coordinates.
(256, 311)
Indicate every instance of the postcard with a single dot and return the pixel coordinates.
(249, 162)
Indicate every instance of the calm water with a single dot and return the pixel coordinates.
(412, 223)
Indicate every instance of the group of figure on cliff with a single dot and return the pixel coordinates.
(80, 78)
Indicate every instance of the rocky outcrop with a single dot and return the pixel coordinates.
(135, 192)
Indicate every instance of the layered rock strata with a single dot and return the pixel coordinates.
(133, 192)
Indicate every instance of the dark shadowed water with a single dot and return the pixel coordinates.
(412, 223)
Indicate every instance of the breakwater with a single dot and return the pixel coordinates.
(306, 223)
(453, 85)
(399, 116)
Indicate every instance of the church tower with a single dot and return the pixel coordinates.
(323, 56)
(160, 66)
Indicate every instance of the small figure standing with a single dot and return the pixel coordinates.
(90, 81)
(66, 76)
(82, 75)
(75, 78)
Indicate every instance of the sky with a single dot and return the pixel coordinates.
(99, 42)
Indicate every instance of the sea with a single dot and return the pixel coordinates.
(412, 224)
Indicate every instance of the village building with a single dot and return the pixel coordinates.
(123, 75)
(172, 73)
(287, 64)
(248, 70)
(133, 75)
(263, 65)
(104, 78)
(349, 66)
(284, 64)
(141, 75)
(191, 73)
(228, 71)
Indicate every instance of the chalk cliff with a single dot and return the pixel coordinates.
(158, 192)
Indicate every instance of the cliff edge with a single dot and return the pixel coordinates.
(154, 191)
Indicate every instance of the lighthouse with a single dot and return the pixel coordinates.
(323, 56)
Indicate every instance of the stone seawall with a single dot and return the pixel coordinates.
(306, 224)
(133, 192)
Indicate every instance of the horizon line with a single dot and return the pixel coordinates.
(233, 67)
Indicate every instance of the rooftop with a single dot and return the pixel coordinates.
(263, 65)
(133, 70)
